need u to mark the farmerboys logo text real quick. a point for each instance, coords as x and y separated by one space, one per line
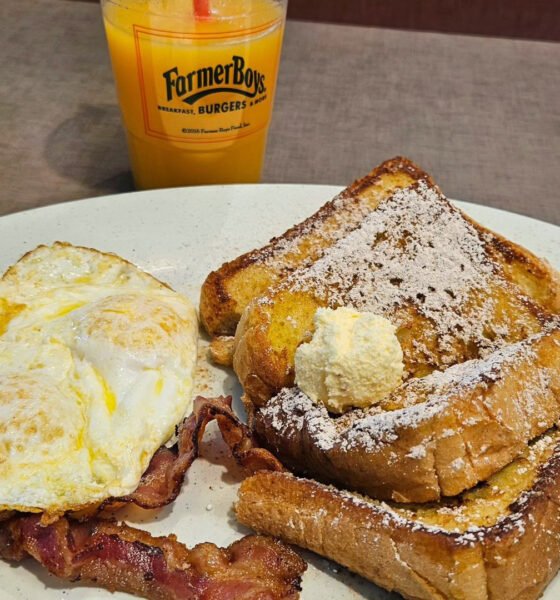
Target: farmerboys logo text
233 77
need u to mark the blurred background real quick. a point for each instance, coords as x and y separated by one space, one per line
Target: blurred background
468 90
536 20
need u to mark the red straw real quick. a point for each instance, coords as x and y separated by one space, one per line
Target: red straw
201 9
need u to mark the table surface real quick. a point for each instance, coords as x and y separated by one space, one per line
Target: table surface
482 115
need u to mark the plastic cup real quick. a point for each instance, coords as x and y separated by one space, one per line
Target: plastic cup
195 92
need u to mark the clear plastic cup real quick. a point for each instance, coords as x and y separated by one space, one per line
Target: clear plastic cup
196 91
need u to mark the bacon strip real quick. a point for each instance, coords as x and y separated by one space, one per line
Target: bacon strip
119 557
161 483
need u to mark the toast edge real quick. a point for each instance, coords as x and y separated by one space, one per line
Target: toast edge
514 558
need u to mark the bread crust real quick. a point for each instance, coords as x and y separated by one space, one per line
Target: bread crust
227 290
513 557
465 425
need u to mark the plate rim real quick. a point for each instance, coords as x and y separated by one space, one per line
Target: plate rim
333 189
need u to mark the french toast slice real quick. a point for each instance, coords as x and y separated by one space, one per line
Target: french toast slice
457 293
454 290
499 541
433 436
227 291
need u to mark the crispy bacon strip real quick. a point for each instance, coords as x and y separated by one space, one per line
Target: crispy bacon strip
164 476
119 557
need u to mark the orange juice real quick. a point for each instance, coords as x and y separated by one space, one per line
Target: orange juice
196 93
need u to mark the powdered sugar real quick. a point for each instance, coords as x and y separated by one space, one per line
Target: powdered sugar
414 249
305 243
417 452
291 411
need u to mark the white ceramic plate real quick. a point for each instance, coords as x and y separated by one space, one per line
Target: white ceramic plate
180 235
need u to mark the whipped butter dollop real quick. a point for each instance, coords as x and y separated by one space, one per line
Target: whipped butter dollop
353 360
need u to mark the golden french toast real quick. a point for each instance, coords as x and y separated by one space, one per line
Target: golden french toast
227 291
498 541
454 290
433 436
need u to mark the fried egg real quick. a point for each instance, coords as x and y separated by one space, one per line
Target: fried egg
96 368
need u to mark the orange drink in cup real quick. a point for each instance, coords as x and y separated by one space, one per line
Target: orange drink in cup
195 81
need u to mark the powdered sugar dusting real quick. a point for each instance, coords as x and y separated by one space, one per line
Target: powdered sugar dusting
415 248
417 452
464 376
415 402
302 244
283 252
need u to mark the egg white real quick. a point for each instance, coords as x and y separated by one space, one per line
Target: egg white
96 368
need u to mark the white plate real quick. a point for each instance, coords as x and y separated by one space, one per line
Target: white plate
180 235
